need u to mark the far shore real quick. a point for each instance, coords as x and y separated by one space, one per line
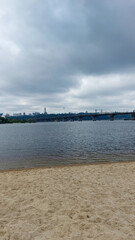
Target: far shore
78 202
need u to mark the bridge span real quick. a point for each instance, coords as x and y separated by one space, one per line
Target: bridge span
80 117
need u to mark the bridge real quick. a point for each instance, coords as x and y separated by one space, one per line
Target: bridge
80 117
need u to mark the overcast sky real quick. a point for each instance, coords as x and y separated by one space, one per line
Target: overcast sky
67 55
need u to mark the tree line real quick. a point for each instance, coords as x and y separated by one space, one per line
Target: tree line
8 120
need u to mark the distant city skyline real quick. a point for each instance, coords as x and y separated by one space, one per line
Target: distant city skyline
45 112
68 56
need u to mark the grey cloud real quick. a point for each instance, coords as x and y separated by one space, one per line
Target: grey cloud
47 46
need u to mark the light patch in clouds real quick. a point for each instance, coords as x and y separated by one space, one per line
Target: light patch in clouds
104 91
92 92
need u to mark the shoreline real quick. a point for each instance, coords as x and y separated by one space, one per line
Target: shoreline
66 165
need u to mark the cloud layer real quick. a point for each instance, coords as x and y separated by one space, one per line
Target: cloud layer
67 55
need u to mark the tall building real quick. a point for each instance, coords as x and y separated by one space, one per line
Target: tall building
45 112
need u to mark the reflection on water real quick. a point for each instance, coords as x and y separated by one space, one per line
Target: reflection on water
58 143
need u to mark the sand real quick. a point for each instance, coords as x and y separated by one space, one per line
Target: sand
74 202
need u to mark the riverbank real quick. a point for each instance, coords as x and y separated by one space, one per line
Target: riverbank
73 202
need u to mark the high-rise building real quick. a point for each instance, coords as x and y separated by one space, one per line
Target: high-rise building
45 112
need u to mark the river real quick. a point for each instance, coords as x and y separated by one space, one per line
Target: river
62 143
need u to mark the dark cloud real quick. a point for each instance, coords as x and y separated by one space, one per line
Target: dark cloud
48 47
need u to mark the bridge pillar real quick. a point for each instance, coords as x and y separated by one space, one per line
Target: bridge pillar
80 119
111 117
72 119
64 119
94 118
133 116
57 120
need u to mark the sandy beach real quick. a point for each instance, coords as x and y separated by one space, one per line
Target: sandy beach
73 202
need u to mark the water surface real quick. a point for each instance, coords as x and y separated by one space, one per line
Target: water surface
59 143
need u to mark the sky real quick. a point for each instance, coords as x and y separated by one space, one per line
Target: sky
67 55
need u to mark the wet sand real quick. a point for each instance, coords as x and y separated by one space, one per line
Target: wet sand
74 202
